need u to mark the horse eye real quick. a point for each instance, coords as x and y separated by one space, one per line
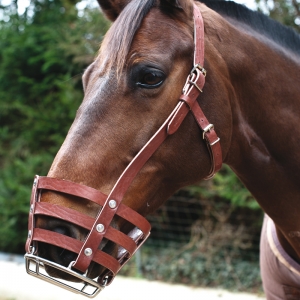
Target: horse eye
151 79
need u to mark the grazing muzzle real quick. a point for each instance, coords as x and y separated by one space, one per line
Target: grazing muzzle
80 255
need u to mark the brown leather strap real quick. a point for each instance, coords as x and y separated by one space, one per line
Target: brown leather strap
71 188
82 191
107 213
213 141
84 221
192 89
198 36
68 243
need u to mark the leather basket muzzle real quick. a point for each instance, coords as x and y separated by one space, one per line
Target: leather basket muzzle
128 243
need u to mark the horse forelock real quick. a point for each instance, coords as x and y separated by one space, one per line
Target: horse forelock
118 40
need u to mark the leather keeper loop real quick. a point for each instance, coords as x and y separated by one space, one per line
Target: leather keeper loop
188 101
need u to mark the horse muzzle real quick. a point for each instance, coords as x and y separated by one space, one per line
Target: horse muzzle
80 261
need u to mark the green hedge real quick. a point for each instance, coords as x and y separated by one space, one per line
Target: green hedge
226 269
42 58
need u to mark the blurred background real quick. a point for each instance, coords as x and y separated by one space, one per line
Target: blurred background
205 235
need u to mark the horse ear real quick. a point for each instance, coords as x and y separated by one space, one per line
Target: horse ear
184 5
173 3
112 8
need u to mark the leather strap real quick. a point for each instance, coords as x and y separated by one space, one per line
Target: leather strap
65 242
198 36
74 217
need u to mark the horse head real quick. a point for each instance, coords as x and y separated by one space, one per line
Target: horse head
130 90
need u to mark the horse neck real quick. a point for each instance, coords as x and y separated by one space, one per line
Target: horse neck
264 150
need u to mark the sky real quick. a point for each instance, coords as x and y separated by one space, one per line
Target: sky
25 3
249 3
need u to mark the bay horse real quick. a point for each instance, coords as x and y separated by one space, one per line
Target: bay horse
137 138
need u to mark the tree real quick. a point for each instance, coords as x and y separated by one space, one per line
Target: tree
286 12
42 56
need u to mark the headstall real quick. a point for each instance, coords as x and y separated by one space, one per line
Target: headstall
100 227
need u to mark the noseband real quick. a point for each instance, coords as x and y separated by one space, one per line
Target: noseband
100 227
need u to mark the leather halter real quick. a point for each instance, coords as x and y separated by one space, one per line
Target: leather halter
112 205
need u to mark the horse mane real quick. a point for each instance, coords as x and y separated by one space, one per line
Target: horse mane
281 34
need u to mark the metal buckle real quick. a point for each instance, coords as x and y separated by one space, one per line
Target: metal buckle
206 129
195 84
189 79
195 68
35 266
200 68
216 141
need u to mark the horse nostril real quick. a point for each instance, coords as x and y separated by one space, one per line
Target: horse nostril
63 230
60 255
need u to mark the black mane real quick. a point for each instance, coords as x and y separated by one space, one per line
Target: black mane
282 35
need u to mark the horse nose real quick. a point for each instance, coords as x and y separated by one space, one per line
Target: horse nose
56 254
59 255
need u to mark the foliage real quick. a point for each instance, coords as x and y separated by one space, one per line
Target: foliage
40 91
217 257
227 269
217 245
285 11
225 185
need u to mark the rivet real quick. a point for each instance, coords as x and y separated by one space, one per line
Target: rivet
112 203
88 251
100 227
29 234
31 208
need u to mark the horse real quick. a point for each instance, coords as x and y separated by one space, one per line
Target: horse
165 68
